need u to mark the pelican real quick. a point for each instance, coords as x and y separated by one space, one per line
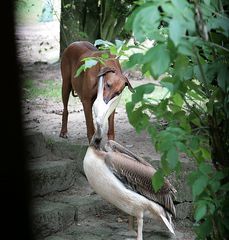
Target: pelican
124 179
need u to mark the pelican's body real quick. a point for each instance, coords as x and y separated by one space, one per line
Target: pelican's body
125 182
108 186
121 177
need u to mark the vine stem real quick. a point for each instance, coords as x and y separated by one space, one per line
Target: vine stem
219 46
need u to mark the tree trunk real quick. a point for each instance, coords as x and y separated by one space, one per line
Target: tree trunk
71 22
91 19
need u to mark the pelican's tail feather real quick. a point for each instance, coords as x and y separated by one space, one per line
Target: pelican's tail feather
167 223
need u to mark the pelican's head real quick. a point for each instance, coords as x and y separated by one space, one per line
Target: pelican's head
102 111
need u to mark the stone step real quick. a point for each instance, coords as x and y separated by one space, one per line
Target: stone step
98 220
66 216
35 145
54 166
55 214
104 229
51 217
51 176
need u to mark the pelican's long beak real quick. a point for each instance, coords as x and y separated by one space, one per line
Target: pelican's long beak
102 111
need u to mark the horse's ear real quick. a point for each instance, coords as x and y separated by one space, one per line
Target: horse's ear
127 83
105 70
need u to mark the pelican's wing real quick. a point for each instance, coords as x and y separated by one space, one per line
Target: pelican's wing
112 146
137 177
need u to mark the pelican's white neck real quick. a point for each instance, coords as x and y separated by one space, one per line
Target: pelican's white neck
100 87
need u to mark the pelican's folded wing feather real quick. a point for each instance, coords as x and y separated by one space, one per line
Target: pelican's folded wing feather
138 177
112 146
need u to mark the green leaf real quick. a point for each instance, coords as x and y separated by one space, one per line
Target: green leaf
195 95
79 70
180 4
169 83
165 142
185 48
164 164
90 63
206 154
192 177
152 132
181 65
129 107
176 31
113 50
204 229
142 123
178 100
211 207
157 180
105 55
181 146
119 44
205 168
200 211
159 60
194 142
156 35
219 23
136 58
138 95
199 185
146 19
215 185
172 157
218 175
207 2
103 42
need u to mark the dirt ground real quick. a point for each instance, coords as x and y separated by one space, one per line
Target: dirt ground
44 115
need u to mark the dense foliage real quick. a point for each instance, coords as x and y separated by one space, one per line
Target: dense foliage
191 52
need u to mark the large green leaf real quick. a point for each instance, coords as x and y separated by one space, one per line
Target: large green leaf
199 185
138 95
157 180
185 48
180 4
172 157
159 60
146 19
176 31
136 58
205 168
181 65
200 211
178 100
220 23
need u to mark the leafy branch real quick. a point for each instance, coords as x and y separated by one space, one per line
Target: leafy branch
189 46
